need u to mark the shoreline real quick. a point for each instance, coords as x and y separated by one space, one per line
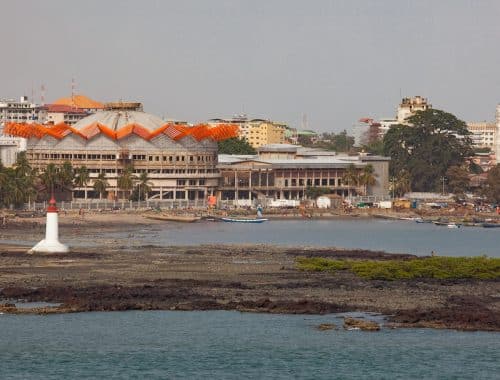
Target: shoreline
241 277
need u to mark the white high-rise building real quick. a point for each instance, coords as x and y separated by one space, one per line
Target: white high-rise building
18 111
497 147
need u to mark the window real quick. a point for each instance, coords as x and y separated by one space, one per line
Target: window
181 182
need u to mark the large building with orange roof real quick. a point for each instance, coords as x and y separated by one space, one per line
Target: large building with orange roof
81 102
180 160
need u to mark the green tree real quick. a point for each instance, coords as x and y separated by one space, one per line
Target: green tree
367 177
401 183
82 178
101 184
142 189
351 176
66 175
235 145
49 177
492 187
22 165
434 141
127 179
313 192
458 180
374 147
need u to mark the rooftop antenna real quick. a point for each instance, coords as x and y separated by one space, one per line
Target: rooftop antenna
32 93
42 94
73 85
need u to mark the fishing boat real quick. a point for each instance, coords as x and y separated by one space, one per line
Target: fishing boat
423 220
175 218
491 225
243 220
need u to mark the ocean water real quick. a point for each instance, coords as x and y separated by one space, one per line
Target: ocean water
228 345
378 234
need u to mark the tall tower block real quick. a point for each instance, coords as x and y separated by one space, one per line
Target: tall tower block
497 140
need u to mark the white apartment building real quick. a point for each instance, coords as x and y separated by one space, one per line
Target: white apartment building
497 142
19 111
484 134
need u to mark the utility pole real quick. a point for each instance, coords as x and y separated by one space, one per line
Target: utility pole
443 178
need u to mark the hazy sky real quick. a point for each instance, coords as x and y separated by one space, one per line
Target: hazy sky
335 61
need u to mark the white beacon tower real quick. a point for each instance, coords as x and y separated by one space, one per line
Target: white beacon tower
51 242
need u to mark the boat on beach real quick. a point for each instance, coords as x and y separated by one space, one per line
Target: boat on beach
175 218
243 220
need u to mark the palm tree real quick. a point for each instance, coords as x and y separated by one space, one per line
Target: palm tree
367 177
18 188
49 177
351 176
101 184
22 165
402 183
67 175
82 178
144 186
126 180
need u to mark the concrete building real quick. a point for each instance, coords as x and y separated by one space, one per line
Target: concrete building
409 106
17 111
497 143
484 134
257 132
180 160
283 171
61 113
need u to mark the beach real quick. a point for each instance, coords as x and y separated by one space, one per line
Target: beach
111 276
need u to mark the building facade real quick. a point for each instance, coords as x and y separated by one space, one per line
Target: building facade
409 106
180 161
497 143
484 134
282 171
17 111
257 132
60 113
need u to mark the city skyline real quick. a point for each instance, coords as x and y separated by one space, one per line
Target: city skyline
335 61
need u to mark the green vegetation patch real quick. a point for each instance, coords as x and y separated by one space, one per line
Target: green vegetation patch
483 268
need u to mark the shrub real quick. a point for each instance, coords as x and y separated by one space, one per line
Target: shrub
482 268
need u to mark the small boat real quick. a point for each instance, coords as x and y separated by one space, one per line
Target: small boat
491 225
423 220
175 218
244 220
438 223
453 225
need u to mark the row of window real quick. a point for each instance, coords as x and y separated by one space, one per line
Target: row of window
154 171
136 157
191 182
312 182
144 157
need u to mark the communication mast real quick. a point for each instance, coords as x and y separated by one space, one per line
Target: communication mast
42 94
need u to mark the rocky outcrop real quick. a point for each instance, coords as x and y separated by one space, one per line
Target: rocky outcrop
360 324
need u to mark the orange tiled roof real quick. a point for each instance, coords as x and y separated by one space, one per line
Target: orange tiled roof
175 132
80 101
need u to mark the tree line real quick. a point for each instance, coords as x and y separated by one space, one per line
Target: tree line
21 183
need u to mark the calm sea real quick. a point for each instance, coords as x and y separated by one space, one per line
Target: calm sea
386 235
229 345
